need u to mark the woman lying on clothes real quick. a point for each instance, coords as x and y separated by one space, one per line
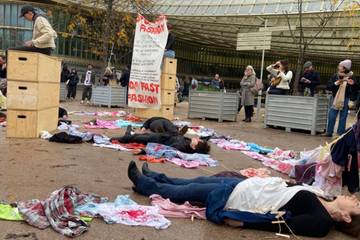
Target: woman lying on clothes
256 203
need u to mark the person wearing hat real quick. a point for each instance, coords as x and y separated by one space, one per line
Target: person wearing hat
341 85
43 38
310 78
169 48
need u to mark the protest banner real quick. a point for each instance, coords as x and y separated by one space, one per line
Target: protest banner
148 51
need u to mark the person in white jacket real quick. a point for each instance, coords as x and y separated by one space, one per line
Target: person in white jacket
43 38
280 83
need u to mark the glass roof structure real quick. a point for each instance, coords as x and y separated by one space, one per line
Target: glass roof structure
237 7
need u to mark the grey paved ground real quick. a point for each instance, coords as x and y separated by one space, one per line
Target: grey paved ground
34 168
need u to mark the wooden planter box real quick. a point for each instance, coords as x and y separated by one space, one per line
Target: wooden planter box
297 112
109 96
213 105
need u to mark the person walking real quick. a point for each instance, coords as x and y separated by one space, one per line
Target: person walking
88 82
341 85
125 79
72 82
43 38
65 73
247 96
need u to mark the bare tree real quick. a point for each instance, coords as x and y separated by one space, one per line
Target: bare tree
106 23
302 39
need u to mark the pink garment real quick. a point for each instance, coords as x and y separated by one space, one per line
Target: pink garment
230 144
281 155
255 172
328 176
281 166
186 164
170 209
102 124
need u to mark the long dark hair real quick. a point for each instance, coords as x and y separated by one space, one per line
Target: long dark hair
352 229
285 64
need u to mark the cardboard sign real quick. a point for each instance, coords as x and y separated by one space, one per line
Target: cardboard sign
149 46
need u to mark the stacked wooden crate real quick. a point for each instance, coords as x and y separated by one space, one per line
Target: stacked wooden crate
33 94
168 93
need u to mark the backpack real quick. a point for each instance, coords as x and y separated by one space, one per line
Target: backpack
258 86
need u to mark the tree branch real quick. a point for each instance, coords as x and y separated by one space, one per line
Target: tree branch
286 14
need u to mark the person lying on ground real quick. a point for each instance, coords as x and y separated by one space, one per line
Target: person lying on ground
268 204
162 125
181 143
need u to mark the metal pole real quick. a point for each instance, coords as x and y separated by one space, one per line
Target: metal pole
261 78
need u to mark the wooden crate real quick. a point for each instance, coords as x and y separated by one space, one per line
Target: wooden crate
33 67
32 96
166 111
169 66
168 82
167 97
29 124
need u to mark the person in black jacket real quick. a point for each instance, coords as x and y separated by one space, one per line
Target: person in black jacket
162 125
310 78
3 73
124 80
181 143
169 49
72 82
343 76
65 73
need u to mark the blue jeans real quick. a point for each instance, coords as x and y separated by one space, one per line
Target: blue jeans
181 190
169 54
333 113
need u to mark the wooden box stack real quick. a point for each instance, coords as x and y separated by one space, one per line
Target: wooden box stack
33 94
168 92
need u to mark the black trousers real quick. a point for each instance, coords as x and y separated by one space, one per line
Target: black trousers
71 91
161 125
87 92
46 51
249 111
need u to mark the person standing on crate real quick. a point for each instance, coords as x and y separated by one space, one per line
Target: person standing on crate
169 48
43 38
88 82
72 82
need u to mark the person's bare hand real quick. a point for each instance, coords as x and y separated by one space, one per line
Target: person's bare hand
350 82
339 82
29 43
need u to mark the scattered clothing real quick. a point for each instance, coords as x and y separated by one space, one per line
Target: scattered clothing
173 210
231 144
125 123
105 124
63 137
125 211
150 159
58 212
255 172
10 213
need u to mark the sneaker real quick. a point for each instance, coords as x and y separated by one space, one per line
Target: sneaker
183 130
87 102
82 102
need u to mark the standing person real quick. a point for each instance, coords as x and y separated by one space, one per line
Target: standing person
247 96
88 82
124 80
309 79
280 84
43 38
169 48
3 73
194 83
108 75
185 92
72 82
65 73
217 82
341 85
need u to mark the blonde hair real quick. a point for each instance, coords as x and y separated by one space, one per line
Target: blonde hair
252 69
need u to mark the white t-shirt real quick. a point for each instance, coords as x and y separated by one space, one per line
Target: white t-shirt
263 195
87 81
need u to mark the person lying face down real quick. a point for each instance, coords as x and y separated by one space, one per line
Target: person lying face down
162 125
268 204
181 143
